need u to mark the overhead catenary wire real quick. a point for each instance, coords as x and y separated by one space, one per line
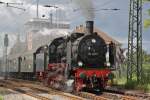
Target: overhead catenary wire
34 1
16 7
9 4
15 21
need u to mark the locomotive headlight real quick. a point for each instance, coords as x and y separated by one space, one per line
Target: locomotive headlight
93 41
80 63
45 47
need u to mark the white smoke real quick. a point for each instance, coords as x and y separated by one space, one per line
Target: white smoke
86 7
55 32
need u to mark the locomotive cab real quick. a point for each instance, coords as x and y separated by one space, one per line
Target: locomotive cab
57 50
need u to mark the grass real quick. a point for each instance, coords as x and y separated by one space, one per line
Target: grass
146 66
1 97
120 81
132 85
144 85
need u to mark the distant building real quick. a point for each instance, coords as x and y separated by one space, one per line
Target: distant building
36 26
35 35
105 36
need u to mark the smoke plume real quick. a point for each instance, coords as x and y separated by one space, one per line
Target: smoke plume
86 7
54 32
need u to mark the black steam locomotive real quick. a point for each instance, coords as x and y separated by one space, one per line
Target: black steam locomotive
75 62
79 59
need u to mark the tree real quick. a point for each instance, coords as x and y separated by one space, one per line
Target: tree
147 21
146 57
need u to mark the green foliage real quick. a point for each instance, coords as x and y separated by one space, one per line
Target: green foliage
131 84
146 23
146 67
146 57
121 81
1 97
148 12
121 78
146 0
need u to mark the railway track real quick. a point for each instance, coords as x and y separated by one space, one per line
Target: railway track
107 95
32 94
113 95
82 95
17 86
18 89
140 96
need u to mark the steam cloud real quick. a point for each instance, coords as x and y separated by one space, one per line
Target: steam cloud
54 32
87 8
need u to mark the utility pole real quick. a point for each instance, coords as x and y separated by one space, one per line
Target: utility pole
37 12
6 41
134 68
51 15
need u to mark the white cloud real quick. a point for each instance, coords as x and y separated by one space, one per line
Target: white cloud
114 23
13 20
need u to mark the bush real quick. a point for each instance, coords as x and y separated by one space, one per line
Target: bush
131 84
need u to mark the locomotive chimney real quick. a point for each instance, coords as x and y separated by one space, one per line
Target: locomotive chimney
89 27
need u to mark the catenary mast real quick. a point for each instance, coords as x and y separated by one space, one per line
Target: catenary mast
134 68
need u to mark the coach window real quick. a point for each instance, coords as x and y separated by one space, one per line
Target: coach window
52 50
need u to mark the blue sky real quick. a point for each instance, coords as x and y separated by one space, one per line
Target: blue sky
115 23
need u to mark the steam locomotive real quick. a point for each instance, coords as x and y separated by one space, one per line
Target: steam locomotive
77 62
